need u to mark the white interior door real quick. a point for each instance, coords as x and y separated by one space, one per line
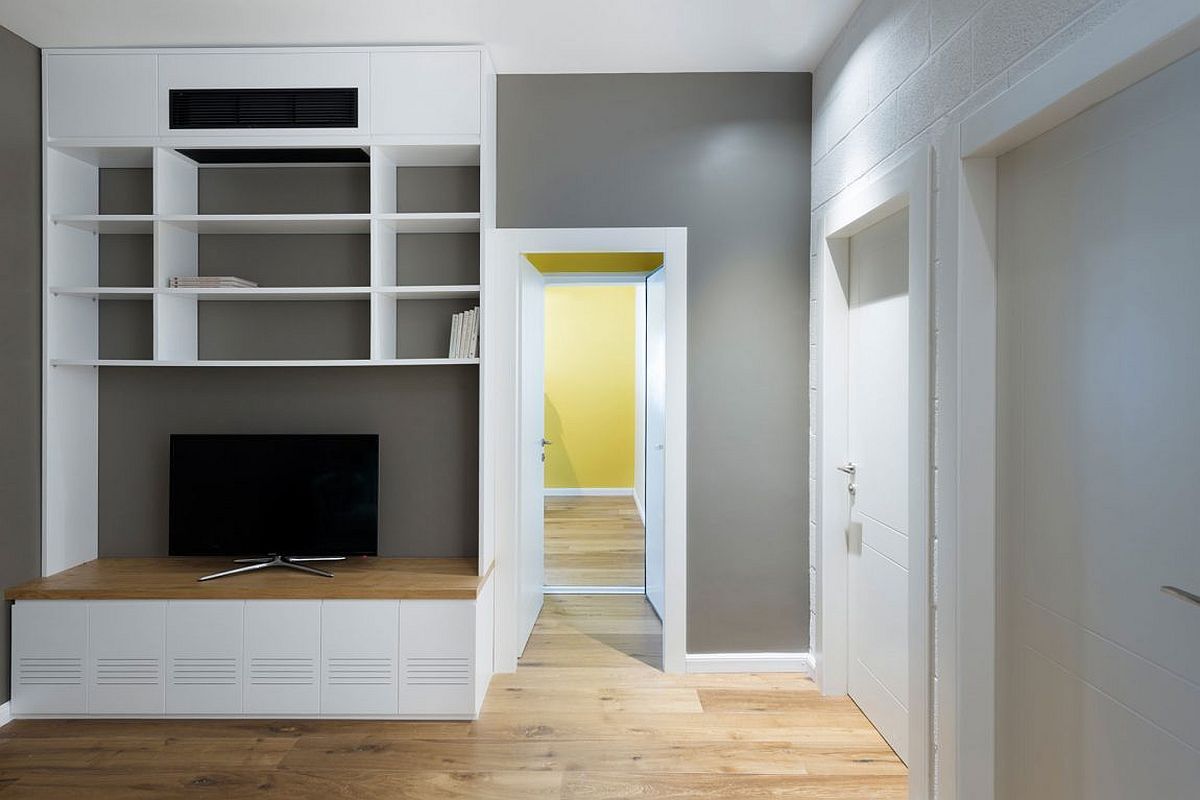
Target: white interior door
1098 283
531 355
656 396
878 480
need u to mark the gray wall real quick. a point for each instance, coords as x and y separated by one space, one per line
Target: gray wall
727 156
427 419
20 322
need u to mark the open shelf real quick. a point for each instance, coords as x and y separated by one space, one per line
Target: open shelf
276 293
271 223
107 223
428 292
353 362
432 222
104 292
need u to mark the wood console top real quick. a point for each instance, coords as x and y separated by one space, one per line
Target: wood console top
175 579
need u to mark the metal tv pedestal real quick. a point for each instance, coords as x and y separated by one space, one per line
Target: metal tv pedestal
255 564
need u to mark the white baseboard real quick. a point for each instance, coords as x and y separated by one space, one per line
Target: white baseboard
749 662
5 713
596 492
593 590
637 501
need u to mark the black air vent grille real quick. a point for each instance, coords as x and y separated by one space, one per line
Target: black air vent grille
212 109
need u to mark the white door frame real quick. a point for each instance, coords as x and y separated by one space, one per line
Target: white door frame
1139 39
505 249
906 186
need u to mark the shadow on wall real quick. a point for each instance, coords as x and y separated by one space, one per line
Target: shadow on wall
557 452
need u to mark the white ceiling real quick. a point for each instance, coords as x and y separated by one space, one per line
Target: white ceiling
522 35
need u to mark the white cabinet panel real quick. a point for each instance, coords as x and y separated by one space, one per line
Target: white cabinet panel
437 644
359 652
49 648
282 645
263 71
430 93
126 639
98 96
204 657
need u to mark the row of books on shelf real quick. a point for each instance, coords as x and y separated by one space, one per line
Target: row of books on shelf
464 334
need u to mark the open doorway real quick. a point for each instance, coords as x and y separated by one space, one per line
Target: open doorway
594 450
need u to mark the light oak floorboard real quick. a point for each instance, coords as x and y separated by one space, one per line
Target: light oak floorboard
594 541
587 716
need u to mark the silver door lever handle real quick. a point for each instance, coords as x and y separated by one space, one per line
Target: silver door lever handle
1182 594
848 468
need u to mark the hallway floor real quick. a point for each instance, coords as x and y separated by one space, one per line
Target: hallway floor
586 715
594 541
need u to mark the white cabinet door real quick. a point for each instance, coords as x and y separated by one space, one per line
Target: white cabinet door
431 93
49 647
97 96
204 657
282 643
126 640
437 644
359 650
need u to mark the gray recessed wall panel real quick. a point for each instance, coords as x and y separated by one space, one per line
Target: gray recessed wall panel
727 156
427 419
284 190
437 259
20 323
334 259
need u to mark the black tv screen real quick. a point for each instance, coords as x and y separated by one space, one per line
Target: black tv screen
310 495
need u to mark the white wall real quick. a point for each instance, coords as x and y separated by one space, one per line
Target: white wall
896 80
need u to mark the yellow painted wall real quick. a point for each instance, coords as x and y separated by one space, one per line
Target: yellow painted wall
590 386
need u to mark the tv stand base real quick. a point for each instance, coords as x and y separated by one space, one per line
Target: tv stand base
255 564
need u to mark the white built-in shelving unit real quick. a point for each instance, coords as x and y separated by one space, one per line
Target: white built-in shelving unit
425 118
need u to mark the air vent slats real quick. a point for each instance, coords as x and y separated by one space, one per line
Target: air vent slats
216 109
34 671
433 671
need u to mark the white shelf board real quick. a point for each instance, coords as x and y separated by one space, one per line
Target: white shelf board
450 222
141 157
426 154
260 293
357 362
105 292
107 223
271 223
429 292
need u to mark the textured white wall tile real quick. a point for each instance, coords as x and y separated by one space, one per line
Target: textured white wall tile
940 85
947 16
1005 30
1063 39
864 147
904 49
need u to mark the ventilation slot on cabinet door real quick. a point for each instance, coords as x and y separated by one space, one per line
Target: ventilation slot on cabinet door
215 109
127 671
35 671
360 672
437 671
204 672
282 671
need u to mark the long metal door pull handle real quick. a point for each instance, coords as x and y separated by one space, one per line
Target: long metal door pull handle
1182 594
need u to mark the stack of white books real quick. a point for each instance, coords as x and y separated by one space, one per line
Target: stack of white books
210 282
464 334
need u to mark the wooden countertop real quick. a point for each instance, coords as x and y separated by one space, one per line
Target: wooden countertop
175 579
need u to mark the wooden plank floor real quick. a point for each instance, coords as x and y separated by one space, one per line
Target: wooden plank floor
587 716
594 541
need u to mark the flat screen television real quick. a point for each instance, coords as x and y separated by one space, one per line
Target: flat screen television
303 495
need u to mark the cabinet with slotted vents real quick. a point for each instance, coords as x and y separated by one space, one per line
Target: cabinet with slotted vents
370 658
